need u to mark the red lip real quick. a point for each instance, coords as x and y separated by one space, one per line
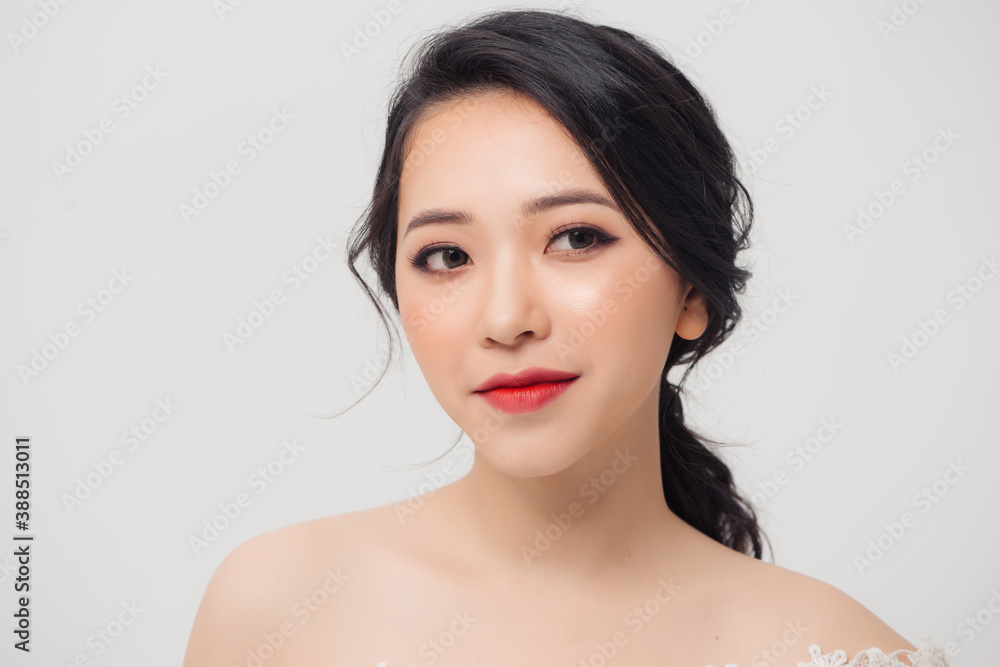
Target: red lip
518 400
525 378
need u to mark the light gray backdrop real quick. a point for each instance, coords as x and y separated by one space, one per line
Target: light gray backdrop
139 224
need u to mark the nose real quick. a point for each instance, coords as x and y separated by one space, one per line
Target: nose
512 305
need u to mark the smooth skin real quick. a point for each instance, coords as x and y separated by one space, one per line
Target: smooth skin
465 579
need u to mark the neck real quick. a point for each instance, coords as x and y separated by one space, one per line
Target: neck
607 509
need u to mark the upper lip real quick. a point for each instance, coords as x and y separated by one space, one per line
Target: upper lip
528 376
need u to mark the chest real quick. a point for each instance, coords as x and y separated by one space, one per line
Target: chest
387 620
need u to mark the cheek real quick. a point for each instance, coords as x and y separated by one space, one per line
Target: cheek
435 325
650 299
623 319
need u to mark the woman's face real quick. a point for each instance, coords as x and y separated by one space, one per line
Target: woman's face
509 290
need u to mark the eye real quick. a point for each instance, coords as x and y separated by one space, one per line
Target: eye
450 256
580 235
581 238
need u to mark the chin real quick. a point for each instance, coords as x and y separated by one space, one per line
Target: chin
532 452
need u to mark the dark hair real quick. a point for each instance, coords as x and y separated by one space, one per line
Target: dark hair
655 143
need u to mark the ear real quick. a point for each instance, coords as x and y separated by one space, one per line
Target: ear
693 317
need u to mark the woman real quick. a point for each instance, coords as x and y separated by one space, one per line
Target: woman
556 219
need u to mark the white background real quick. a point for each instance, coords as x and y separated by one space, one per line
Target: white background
825 357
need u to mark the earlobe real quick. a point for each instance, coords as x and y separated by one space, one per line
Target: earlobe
693 318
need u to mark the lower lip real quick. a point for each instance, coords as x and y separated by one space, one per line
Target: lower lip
518 400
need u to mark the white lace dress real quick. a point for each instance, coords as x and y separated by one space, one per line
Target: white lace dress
926 655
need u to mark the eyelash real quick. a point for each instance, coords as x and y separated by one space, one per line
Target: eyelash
419 261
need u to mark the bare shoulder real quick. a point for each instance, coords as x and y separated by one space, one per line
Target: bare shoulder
268 581
803 610
843 623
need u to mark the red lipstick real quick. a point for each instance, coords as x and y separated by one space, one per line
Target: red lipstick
531 389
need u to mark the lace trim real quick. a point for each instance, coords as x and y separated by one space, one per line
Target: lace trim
926 655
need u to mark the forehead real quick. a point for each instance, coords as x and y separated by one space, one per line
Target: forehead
488 152
476 112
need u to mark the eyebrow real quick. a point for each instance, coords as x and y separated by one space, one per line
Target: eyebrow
530 209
